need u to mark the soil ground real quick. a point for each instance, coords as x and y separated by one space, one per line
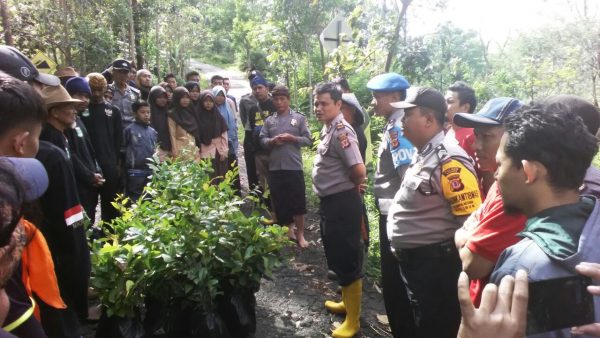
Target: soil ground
291 303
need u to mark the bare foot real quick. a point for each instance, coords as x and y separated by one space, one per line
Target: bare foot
291 234
302 242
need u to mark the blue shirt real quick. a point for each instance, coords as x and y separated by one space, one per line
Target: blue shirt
140 144
232 135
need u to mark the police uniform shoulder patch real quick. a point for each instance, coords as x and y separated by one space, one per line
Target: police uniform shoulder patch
340 125
460 187
343 139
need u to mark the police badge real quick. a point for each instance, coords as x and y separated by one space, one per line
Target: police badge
294 122
343 138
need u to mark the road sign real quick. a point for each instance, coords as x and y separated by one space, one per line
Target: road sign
43 63
336 33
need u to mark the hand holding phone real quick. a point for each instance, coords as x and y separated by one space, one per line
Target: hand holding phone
559 303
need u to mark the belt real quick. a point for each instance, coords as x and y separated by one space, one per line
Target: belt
427 251
337 195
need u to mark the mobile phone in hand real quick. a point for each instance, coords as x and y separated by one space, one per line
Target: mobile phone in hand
559 303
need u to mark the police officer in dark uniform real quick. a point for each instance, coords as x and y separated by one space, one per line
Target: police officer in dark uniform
437 194
124 95
337 175
393 157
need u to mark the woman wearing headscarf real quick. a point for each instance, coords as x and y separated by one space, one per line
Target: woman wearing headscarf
212 133
183 127
227 109
159 120
194 89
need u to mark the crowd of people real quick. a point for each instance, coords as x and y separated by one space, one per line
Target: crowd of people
467 200
509 191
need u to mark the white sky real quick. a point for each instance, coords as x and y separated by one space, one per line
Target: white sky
498 20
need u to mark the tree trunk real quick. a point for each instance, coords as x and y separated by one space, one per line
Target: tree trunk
131 31
395 38
6 26
322 54
158 72
137 31
66 42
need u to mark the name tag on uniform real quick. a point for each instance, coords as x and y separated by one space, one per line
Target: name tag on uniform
79 132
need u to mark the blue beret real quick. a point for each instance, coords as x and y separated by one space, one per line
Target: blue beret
388 82
78 85
258 80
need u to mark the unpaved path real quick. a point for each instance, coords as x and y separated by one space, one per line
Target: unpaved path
291 303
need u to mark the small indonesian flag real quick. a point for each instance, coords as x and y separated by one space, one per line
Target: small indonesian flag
74 215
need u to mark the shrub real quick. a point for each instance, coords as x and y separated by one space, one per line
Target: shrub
185 242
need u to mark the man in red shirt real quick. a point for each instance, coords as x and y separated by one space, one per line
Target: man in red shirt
489 230
460 98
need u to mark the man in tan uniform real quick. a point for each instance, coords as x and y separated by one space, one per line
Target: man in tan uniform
438 192
337 174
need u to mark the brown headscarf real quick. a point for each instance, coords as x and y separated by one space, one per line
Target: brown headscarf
210 122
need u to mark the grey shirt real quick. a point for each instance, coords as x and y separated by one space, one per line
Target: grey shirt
438 192
336 154
123 101
394 155
286 156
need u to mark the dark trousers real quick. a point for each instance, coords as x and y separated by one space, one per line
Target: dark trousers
430 274
341 233
88 196
108 193
395 298
250 162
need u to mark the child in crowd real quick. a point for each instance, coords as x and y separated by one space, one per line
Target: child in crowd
212 133
183 127
139 142
159 120
194 89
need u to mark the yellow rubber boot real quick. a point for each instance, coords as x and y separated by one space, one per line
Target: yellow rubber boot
352 296
336 307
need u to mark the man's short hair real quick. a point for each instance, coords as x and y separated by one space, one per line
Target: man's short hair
190 74
225 78
139 104
168 76
280 90
216 78
583 108
20 104
329 87
465 93
557 139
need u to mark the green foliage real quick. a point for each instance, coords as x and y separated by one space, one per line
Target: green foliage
185 242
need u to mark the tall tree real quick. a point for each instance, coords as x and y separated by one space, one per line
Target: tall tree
6 26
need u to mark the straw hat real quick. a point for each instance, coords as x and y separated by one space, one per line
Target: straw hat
56 95
66 72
